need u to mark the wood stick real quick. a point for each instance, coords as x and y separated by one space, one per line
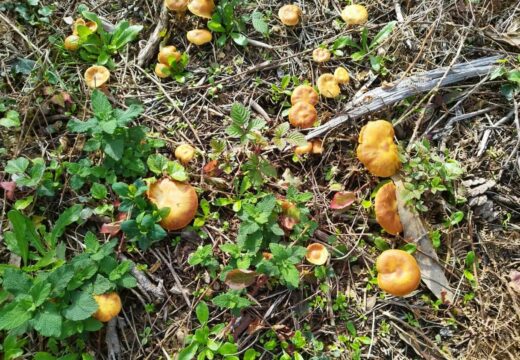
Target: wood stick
150 49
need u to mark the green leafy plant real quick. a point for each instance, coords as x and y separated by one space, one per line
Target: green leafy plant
258 19
29 11
100 46
280 93
35 174
10 119
228 24
12 347
232 301
282 264
512 87
176 69
204 256
243 126
283 136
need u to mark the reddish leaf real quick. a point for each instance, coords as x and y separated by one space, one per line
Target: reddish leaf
240 279
287 222
121 216
111 229
255 326
343 200
210 168
9 187
515 280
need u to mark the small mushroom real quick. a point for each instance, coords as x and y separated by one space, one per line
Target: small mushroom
305 93
71 42
184 153
199 36
398 272
162 71
304 149
341 75
92 25
290 14
109 305
202 8
302 115
317 146
167 53
96 76
354 14
377 150
387 214
179 6
328 86
317 254
321 55
180 198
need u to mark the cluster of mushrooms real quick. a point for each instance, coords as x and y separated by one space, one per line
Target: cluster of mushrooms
398 271
72 42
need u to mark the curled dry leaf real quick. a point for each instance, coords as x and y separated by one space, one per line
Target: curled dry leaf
342 200
239 279
9 187
515 280
211 168
111 229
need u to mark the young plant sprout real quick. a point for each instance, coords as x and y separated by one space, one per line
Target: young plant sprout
184 153
179 6
398 272
317 254
304 93
199 36
290 15
321 55
96 76
180 198
109 305
302 115
71 43
202 8
387 214
167 53
328 86
377 150
354 14
341 75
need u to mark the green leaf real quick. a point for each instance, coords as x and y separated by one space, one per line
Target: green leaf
296 138
101 105
48 323
383 34
176 171
23 203
17 166
216 26
290 275
157 163
240 114
128 35
202 312
25 234
68 217
227 349
82 307
14 315
98 191
124 117
10 119
77 126
114 148
102 285
259 24
16 281
40 292
239 39
189 352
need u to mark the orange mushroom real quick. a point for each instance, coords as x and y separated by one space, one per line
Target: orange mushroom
354 14
181 198
341 75
304 149
167 53
317 146
162 71
179 6
317 254
199 36
302 115
328 86
109 305
398 272
305 93
377 150
321 55
290 14
202 8
92 25
387 214
184 153
71 42
96 76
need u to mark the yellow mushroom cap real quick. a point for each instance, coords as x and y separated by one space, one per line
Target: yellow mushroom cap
167 53
302 115
71 43
398 272
328 86
387 214
354 14
341 75
184 153
96 76
317 254
304 149
317 146
290 14
304 93
162 71
377 150
181 198
202 8
199 36
109 305
176 5
321 55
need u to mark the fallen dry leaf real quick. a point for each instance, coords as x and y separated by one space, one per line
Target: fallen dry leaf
239 279
111 229
432 272
342 200
9 187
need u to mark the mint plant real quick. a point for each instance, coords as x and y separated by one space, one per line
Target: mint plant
35 174
227 24
243 126
282 264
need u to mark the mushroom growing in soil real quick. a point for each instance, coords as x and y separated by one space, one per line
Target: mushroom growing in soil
71 42
184 153
167 53
304 93
162 71
328 86
302 115
290 14
341 75
354 14
92 25
317 254
304 149
96 76
199 36
377 150
180 198
321 55
398 272
202 8
179 6
109 305
387 214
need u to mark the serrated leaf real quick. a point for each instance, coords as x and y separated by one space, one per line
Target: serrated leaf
176 171
14 315
100 105
48 323
260 25
296 138
240 114
114 148
256 124
17 166
82 307
102 285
